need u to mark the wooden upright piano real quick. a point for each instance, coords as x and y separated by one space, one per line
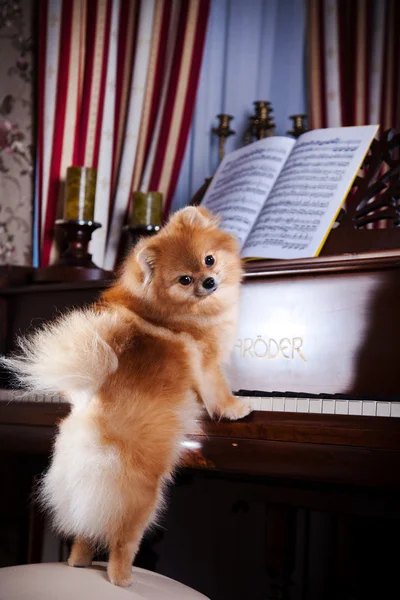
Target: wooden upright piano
317 353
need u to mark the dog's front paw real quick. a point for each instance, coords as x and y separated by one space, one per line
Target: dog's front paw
236 409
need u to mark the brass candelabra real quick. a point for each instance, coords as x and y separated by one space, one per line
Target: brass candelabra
261 123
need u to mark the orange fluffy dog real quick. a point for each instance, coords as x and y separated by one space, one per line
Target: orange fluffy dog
134 368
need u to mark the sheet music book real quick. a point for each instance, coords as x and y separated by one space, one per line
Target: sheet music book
281 196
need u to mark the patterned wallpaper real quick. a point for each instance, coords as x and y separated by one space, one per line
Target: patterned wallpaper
16 131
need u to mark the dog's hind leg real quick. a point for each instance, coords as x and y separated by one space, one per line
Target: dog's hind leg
81 553
125 544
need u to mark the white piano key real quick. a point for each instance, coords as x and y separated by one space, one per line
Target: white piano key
303 405
355 407
266 404
291 405
328 407
255 402
369 408
383 409
315 406
395 409
278 404
342 407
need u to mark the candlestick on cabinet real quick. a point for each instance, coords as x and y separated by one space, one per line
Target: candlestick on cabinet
75 263
78 224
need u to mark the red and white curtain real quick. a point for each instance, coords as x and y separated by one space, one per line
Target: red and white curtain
354 63
117 85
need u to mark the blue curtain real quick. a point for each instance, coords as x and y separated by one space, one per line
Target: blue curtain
255 50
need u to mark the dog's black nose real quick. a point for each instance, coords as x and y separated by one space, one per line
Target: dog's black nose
209 283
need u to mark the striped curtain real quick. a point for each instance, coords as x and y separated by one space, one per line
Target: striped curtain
353 63
117 86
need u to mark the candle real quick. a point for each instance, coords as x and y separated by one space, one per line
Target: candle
146 209
146 215
80 191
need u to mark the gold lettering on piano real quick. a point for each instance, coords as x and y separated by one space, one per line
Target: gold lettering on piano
247 347
283 345
297 344
269 348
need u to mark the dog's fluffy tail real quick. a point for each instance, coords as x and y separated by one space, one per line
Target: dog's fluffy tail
72 356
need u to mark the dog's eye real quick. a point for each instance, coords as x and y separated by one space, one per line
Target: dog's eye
185 280
210 260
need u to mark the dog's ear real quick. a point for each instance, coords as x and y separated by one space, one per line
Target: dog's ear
195 215
146 256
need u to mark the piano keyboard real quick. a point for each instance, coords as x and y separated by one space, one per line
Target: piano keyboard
328 406
15 396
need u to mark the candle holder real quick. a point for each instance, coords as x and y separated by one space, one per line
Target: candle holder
78 234
261 124
298 126
75 263
138 231
223 131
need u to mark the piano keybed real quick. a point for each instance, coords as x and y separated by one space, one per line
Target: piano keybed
265 403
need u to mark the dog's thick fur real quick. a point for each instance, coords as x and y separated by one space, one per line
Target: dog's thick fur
135 368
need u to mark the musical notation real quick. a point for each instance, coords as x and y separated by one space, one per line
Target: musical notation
245 178
303 201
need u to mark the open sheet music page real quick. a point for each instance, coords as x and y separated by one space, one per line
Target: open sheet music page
243 181
306 198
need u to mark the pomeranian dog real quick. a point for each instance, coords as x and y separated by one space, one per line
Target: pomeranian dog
136 368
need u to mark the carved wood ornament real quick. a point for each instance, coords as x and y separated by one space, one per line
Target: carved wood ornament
373 200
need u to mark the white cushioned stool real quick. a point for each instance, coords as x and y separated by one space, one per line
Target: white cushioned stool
57 581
